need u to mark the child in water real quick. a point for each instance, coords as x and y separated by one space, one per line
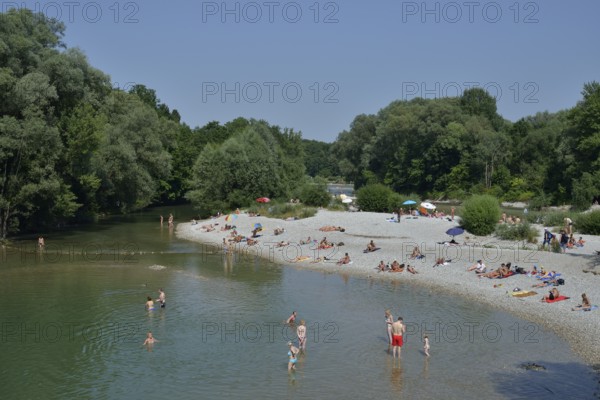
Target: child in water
426 345
150 340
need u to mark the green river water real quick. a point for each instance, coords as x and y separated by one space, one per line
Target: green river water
73 323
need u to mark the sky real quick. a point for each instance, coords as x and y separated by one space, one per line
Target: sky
315 65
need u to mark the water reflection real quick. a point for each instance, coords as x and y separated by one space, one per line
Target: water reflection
397 375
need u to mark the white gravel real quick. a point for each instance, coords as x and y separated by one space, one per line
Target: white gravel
580 329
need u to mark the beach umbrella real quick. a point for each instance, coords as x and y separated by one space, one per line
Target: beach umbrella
230 217
455 231
409 202
428 206
263 200
347 200
257 226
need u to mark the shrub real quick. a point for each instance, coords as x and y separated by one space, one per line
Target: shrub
480 214
555 246
314 195
374 197
556 218
395 201
522 231
283 210
588 223
337 205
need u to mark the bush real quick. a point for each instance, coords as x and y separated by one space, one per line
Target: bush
337 205
522 231
480 214
314 195
283 210
396 200
374 197
555 246
588 223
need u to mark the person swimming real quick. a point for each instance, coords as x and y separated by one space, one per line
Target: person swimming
150 340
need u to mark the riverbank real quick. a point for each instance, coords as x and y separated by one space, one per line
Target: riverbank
397 241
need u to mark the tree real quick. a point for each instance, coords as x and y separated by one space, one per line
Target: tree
586 128
132 159
29 149
253 163
477 101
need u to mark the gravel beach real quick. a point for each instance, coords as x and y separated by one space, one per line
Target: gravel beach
397 240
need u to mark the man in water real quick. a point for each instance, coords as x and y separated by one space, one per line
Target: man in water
398 330
162 299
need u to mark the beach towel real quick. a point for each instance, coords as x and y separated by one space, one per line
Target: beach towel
548 278
302 258
375 249
591 309
559 298
511 273
523 293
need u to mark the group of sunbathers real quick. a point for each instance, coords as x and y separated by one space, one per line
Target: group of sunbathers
325 244
501 272
395 266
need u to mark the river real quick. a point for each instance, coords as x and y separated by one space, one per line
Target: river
73 323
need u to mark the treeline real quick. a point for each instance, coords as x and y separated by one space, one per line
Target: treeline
72 147
452 148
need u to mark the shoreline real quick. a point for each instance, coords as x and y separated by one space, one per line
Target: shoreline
397 240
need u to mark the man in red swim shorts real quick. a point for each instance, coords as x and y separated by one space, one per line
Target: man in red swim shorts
398 330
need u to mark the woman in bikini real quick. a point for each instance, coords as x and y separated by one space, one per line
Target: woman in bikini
292 352
149 304
389 320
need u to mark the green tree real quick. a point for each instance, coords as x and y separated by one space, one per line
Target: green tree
480 214
375 197
29 149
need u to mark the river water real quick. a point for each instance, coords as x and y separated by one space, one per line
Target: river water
73 323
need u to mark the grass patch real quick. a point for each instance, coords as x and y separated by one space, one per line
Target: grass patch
517 232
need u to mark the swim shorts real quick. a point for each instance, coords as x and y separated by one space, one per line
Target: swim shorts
397 340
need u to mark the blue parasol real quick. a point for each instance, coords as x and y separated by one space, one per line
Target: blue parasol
455 231
409 202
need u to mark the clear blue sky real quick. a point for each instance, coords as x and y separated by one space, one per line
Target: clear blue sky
224 59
